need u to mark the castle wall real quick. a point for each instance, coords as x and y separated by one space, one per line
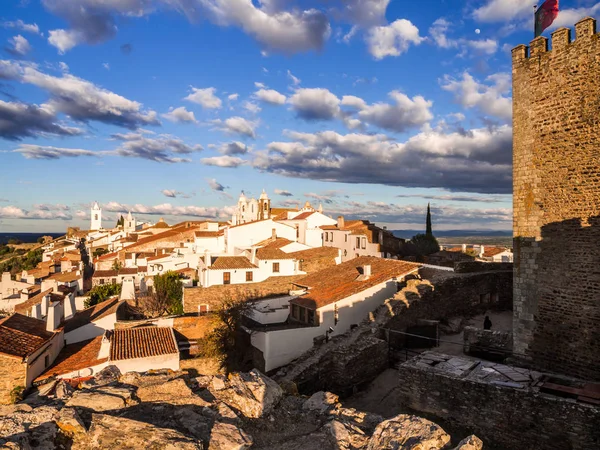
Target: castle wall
556 145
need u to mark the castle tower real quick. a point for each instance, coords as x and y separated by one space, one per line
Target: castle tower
556 181
96 217
264 205
130 224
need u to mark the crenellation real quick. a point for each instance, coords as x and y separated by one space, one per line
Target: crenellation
538 46
520 52
561 38
586 27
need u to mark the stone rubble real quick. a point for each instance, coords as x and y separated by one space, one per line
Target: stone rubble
169 410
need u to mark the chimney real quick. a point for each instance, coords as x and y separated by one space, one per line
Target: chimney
104 351
367 270
340 223
24 295
464 248
54 317
207 258
481 250
273 233
49 284
253 256
45 305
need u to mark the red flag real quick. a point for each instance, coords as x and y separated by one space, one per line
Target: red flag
545 15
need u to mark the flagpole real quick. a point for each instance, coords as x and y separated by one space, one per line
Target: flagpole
534 11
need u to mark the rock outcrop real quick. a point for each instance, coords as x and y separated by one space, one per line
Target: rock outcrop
170 410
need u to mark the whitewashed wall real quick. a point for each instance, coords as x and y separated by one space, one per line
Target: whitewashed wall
36 361
91 330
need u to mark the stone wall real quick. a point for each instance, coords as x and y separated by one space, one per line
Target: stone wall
478 266
557 201
12 374
447 295
503 417
492 344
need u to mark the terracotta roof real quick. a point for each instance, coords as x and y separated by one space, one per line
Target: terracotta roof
41 272
278 211
493 251
93 314
75 357
128 271
274 243
66 277
317 252
144 342
231 262
209 234
105 273
272 253
188 271
20 335
24 307
304 215
142 269
338 282
107 256
154 258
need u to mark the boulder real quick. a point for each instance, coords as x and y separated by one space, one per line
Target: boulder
366 421
108 432
253 394
194 423
227 436
63 390
69 422
470 443
173 391
28 428
104 398
346 436
406 432
321 402
109 374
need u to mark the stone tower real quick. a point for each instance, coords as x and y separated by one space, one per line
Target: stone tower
556 177
96 217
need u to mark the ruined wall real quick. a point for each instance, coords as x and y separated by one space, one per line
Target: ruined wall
12 374
556 110
511 419
446 296
478 341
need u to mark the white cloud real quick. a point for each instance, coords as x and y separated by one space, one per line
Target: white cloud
260 85
13 212
270 96
491 99
353 102
20 45
233 97
63 66
363 13
106 65
223 161
172 193
504 10
283 193
315 104
237 125
295 80
233 148
20 25
393 39
252 107
406 113
65 40
180 115
205 97
215 185
439 30
166 209
159 149
31 151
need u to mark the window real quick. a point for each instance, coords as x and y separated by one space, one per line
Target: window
357 242
295 313
346 238
311 317
101 281
46 360
364 242
249 276
302 317
275 267
326 237
202 310
114 281
226 277
345 252
95 216
252 207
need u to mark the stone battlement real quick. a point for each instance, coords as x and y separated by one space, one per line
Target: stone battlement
585 29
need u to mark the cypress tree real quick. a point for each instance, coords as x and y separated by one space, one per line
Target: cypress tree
428 230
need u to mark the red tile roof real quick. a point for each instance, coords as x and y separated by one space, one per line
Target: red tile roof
75 357
66 277
493 251
93 314
24 307
209 234
231 262
144 342
128 271
20 335
317 252
105 273
271 249
304 215
339 282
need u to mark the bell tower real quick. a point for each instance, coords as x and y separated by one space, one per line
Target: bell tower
96 217
264 204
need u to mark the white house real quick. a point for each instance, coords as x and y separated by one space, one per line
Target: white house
10 291
248 234
495 254
332 299
308 226
92 322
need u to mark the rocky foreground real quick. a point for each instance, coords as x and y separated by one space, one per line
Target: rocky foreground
169 410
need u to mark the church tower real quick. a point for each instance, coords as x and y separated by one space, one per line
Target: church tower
130 224
241 213
264 206
96 217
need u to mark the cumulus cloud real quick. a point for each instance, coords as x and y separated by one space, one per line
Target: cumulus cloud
233 148
20 25
19 46
237 125
14 212
283 193
20 120
31 151
180 115
166 209
215 185
315 104
439 35
503 10
492 98
270 96
406 113
252 107
84 101
159 149
363 13
65 40
393 39
353 102
233 97
477 160
205 97
223 161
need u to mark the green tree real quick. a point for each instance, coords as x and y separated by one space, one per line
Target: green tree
166 296
425 244
102 292
99 252
121 221
428 229
117 265
17 264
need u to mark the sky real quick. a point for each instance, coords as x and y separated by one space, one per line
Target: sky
171 108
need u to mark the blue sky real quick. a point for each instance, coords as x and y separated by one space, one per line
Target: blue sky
170 108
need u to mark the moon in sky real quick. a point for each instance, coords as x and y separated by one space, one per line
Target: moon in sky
477 31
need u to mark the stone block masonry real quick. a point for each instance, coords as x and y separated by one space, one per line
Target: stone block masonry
556 182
